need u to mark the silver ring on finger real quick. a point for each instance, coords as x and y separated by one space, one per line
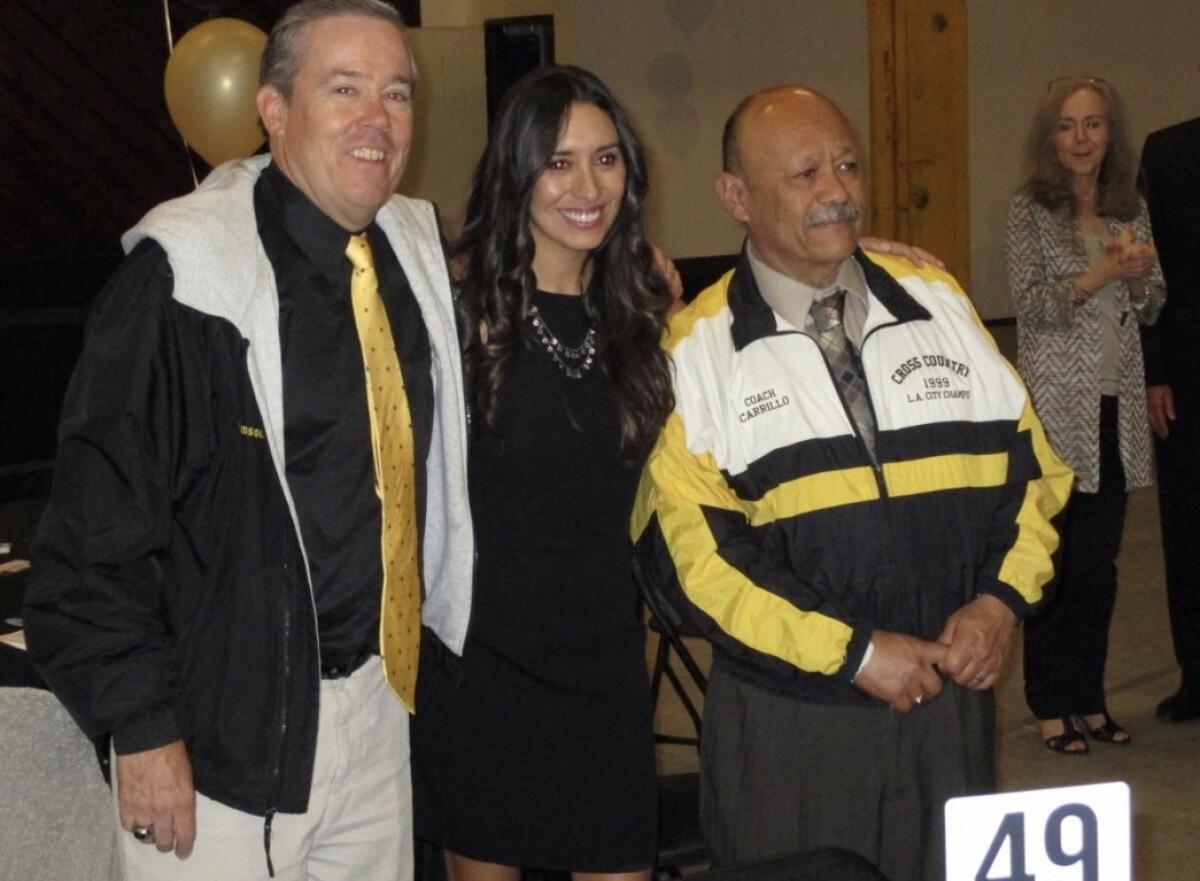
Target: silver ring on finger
144 834
920 697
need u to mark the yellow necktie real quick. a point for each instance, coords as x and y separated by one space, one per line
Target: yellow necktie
392 445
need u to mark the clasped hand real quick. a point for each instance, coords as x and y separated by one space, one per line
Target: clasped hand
977 638
1129 258
904 671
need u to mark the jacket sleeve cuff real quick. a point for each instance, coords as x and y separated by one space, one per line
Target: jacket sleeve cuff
148 730
856 651
1008 595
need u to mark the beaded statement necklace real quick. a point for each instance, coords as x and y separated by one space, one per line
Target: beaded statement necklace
574 361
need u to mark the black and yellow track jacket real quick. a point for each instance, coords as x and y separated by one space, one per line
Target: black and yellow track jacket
761 505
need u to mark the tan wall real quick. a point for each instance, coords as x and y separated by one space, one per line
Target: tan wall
451 97
451 118
473 13
680 67
1015 47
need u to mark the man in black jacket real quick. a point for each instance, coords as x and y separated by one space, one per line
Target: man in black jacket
216 574
1171 174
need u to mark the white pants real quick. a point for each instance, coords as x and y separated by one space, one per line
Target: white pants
359 821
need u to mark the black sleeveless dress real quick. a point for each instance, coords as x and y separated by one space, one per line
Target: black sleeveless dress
536 749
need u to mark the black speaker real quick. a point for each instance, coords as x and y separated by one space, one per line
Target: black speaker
512 48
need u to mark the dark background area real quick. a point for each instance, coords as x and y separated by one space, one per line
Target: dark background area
86 148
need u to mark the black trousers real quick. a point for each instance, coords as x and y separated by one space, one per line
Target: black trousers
1179 508
1066 641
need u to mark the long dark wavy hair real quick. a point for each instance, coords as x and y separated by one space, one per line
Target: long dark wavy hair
626 299
1049 183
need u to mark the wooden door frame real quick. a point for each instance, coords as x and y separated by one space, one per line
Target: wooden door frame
881 46
888 43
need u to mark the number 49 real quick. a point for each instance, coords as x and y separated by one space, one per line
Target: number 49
1012 830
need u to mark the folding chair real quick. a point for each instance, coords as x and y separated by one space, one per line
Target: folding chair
670 628
680 842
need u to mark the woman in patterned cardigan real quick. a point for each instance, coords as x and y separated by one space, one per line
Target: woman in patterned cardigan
1083 273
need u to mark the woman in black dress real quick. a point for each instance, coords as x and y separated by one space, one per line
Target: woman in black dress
535 750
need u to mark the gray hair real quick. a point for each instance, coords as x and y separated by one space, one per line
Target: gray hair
281 57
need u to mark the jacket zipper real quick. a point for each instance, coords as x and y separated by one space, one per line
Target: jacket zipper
876 468
276 766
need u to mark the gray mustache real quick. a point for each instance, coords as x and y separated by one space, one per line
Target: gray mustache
846 212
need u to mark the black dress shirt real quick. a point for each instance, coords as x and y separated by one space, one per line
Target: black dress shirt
327 432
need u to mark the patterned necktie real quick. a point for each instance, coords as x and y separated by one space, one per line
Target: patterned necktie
392 446
844 363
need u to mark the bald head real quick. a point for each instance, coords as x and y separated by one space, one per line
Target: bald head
792 177
767 102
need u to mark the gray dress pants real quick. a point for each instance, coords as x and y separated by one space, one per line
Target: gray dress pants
780 776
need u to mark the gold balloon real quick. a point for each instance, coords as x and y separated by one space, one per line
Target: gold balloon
210 83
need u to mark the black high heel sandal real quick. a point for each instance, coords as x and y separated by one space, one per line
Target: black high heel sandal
1065 743
1109 732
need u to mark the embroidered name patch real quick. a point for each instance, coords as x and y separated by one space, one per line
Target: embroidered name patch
933 378
762 402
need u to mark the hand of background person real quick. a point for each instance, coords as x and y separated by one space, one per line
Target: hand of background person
1133 259
901 670
155 787
1160 407
918 257
1124 259
977 638
667 269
